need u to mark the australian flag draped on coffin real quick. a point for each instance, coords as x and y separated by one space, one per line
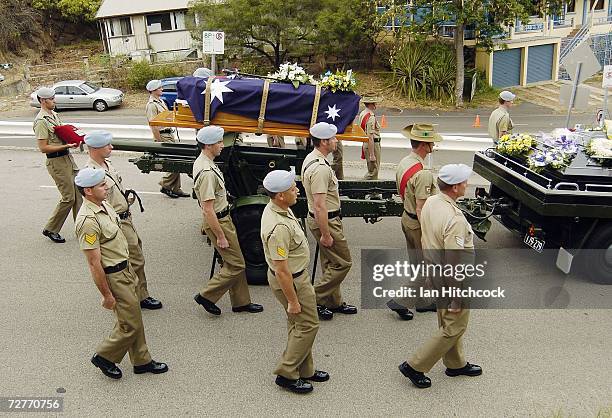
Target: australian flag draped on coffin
285 104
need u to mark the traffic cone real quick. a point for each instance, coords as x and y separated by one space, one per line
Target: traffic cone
476 122
383 122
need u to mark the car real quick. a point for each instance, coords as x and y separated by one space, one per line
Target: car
81 94
169 94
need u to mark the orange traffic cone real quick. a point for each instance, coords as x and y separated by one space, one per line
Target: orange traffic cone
383 122
476 122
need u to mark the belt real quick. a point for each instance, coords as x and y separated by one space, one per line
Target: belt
223 213
330 215
376 140
166 131
124 215
411 215
294 275
57 154
117 268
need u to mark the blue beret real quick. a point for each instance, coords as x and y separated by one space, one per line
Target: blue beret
45 92
279 181
210 135
98 139
323 130
89 177
454 173
153 85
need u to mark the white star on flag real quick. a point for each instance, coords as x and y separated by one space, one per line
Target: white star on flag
333 113
217 88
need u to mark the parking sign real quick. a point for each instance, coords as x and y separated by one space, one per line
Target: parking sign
213 42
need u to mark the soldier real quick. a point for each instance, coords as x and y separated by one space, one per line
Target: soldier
99 147
414 184
324 222
445 235
171 182
107 253
209 187
369 123
499 121
287 254
60 164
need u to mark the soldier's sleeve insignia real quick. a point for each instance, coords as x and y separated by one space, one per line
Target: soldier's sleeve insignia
281 251
428 189
460 241
91 238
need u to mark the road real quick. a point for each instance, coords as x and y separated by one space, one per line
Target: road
540 362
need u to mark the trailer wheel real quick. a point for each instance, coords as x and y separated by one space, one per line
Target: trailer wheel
598 260
247 220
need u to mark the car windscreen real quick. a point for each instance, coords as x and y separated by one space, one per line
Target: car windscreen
89 87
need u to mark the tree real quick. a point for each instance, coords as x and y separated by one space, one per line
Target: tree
274 29
489 20
18 26
73 10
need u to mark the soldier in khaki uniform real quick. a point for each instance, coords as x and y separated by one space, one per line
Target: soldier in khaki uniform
209 186
446 235
324 222
171 182
369 123
415 184
499 121
60 164
100 148
287 254
107 253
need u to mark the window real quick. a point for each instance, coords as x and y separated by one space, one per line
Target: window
571 6
75 91
598 6
60 90
89 87
171 87
111 29
162 19
126 26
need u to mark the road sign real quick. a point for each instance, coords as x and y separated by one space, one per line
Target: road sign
607 77
585 55
581 101
213 42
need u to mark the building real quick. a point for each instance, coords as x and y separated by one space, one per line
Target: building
154 30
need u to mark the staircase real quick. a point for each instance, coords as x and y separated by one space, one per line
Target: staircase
547 95
574 40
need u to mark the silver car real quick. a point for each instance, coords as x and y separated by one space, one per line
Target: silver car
80 94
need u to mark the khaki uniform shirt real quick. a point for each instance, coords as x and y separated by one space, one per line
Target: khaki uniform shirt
43 129
444 227
210 183
372 126
154 108
420 186
116 197
283 238
98 227
319 177
499 122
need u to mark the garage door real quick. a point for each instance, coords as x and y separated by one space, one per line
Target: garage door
540 63
507 68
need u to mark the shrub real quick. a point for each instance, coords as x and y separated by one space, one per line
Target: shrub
140 73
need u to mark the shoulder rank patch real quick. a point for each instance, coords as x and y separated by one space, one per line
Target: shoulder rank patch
91 238
281 251
460 241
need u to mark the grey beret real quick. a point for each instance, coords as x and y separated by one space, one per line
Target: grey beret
279 181
153 85
454 173
507 96
202 72
45 92
323 130
210 135
89 177
98 139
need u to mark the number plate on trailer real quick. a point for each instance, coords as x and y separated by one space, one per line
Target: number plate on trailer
534 242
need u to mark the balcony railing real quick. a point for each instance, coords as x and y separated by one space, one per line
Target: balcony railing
530 27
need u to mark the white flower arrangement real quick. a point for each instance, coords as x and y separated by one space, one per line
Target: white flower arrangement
292 73
552 158
600 148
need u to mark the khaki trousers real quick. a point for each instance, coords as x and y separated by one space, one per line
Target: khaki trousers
128 334
232 276
373 167
337 161
335 263
170 181
302 328
62 172
446 343
137 260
